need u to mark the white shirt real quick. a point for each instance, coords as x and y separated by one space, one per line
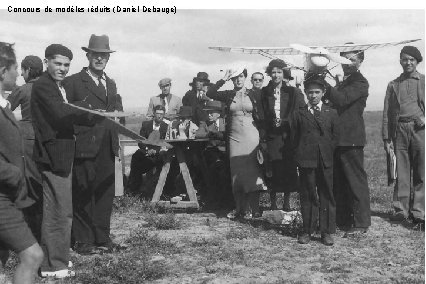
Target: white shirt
155 127
63 93
311 107
4 103
277 106
96 79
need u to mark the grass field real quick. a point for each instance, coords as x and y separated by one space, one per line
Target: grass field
205 247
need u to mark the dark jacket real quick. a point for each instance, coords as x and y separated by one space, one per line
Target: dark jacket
12 163
147 128
391 107
53 124
313 140
190 99
349 99
82 90
291 100
228 96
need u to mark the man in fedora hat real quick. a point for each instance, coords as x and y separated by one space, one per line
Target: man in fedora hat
196 97
182 127
404 130
170 102
147 157
96 148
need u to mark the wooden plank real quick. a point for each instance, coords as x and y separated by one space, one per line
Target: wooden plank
162 179
119 187
185 174
180 204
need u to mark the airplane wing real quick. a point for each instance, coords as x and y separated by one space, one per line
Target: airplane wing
259 50
352 47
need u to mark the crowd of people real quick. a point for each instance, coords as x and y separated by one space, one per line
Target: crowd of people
57 178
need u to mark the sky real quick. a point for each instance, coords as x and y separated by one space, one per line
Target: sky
151 46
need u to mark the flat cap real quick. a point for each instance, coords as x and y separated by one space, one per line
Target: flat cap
164 81
412 51
32 61
58 49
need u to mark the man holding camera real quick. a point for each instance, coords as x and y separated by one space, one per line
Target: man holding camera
404 131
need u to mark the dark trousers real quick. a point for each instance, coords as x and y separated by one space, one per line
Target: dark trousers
351 188
139 165
57 220
317 198
93 195
410 165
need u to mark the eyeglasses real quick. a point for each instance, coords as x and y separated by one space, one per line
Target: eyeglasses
257 80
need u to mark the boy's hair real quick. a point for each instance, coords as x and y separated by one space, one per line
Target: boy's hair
159 107
7 55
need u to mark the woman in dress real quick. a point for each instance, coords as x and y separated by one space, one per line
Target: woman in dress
245 117
279 101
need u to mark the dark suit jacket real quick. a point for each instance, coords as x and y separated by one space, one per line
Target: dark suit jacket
82 90
147 128
190 99
53 125
391 107
349 99
310 144
12 175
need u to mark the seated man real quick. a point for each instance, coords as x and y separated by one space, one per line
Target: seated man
147 157
182 127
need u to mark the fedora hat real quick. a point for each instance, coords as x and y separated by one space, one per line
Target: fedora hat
185 111
202 77
98 44
213 105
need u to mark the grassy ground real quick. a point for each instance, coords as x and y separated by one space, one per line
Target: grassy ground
205 247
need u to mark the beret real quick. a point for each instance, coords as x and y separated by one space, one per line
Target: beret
412 51
58 49
32 61
164 81
312 78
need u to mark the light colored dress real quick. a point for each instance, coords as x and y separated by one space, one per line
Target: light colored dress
243 141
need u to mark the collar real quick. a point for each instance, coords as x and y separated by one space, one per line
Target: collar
310 106
168 96
3 102
94 76
414 75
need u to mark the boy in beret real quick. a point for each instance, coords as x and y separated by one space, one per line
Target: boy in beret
404 131
314 131
54 151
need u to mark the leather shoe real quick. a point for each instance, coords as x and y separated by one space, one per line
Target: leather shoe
327 239
304 238
86 249
398 217
110 247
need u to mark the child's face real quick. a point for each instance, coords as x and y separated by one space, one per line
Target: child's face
314 93
213 115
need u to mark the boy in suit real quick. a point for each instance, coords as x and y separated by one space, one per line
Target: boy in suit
314 132
146 158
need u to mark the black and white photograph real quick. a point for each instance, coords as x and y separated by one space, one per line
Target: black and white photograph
171 142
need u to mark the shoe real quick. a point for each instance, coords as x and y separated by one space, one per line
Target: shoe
248 216
233 214
110 247
304 238
59 274
355 231
327 239
398 217
86 249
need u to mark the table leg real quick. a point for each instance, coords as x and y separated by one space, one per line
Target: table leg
185 174
162 178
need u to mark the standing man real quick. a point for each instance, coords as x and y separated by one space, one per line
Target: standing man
257 80
170 102
54 150
404 130
351 187
196 97
96 148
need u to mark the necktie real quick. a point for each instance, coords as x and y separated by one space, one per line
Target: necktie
101 88
317 116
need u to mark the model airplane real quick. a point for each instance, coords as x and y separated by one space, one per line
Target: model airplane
317 58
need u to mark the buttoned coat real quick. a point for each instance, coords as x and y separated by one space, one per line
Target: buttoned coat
82 90
392 105
12 163
314 141
349 99
174 105
53 123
